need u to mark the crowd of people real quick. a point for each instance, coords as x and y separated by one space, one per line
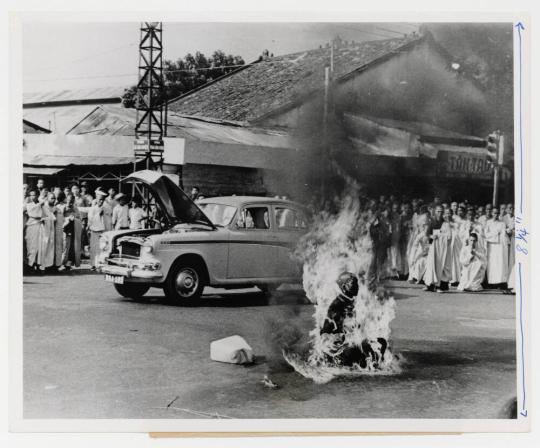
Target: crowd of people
63 225
437 244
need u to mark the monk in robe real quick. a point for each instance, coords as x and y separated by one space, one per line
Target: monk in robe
497 250
394 253
59 208
34 213
419 253
96 227
473 265
406 235
438 265
455 246
47 234
73 229
510 224
419 220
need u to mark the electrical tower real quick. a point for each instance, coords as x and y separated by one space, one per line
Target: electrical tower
149 127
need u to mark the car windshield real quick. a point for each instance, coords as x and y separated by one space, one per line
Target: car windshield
219 214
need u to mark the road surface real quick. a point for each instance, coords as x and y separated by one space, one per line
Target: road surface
89 353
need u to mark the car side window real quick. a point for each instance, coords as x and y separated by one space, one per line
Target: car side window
254 218
288 218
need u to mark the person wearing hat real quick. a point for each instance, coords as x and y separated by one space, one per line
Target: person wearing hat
120 216
107 209
96 226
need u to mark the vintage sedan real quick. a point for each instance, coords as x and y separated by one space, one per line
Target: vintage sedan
228 242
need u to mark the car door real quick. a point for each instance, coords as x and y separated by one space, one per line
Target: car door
290 224
252 250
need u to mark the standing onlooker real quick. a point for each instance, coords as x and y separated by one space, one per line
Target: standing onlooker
73 229
379 232
59 209
438 264
47 234
136 215
194 193
96 226
497 249
34 213
394 252
40 186
120 217
510 224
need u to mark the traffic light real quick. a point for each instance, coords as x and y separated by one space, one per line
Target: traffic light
492 146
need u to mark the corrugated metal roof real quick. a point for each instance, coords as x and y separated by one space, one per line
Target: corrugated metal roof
58 119
41 171
63 150
117 120
73 95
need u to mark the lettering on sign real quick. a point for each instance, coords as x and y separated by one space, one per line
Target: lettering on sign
464 165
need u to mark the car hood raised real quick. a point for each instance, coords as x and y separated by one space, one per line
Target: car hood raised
173 201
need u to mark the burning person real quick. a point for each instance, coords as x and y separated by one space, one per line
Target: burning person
338 349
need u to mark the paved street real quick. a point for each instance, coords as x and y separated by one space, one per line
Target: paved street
89 353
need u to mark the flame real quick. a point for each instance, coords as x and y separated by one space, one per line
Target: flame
339 242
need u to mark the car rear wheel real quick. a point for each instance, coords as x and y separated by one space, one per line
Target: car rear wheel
132 291
185 283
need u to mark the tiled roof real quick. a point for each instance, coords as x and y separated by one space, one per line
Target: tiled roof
256 90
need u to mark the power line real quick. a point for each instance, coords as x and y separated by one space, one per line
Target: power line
120 75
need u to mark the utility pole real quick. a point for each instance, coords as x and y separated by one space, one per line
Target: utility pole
326 150
149 129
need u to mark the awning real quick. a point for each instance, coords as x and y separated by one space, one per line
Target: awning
41 171
394 138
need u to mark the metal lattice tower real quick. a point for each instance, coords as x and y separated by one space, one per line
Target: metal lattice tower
149 128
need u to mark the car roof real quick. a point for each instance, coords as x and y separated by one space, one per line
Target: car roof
241 200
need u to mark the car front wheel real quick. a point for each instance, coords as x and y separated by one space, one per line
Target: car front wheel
185 283
132 291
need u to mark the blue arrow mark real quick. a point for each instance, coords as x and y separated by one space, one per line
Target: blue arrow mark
523 412
520 27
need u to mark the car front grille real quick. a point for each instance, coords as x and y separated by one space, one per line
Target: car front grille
129 249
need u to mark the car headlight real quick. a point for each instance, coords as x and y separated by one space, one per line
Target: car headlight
147 248
104 243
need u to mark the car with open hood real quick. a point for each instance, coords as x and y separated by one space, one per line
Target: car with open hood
228 242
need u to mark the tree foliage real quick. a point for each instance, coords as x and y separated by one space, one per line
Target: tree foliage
188 73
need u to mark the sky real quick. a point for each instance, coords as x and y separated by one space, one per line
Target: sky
58 56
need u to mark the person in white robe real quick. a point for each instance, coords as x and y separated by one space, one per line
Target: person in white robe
497 249
419 222
419 254
473 265
136 215
394 253
438 264
47 233
455 245
510 224
34 213
96 227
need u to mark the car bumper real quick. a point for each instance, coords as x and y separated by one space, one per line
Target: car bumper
128 271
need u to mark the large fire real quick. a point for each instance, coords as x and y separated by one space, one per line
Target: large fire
336 243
